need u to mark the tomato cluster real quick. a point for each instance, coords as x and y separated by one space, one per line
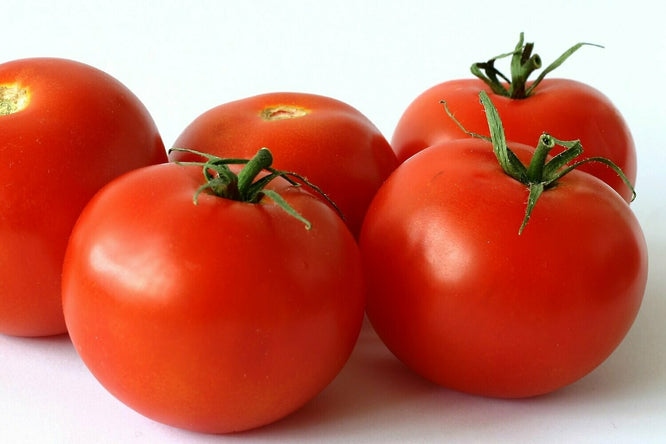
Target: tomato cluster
221 285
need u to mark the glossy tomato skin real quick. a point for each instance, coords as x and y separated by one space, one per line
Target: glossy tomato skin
328 141
218 317
457 295
566 109
80 128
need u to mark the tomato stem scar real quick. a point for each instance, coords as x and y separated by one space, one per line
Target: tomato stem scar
281 112
13 99
523 64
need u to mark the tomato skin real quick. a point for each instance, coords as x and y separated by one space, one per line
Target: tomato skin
462 299
330 143
566 109
80 129
218 317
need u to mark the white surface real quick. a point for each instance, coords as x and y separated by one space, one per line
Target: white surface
184 57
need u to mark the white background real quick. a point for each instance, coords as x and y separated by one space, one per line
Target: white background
184 57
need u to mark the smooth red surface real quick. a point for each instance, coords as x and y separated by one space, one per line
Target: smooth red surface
218 317
81 129
462 299
566 109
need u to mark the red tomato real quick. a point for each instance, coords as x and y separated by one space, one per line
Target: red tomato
567 109
329 142
66 129
215 317
464 300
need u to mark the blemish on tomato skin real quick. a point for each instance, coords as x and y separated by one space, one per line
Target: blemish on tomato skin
13 99
281 112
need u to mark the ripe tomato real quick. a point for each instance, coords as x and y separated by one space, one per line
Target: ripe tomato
464 300
565 108
215 317
66 129
329 142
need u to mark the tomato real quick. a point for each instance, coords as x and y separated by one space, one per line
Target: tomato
571 109
463 299
215 317
327 141
66 130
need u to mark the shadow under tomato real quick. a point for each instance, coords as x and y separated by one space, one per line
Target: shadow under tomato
637 368
38 344
375 390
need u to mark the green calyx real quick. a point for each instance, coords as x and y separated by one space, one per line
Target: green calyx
523 64
246 186
542 173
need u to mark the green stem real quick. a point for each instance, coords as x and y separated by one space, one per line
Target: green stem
486 71
538 162
523 64
561 59
261 161
507 159
543 172
244 186
535 190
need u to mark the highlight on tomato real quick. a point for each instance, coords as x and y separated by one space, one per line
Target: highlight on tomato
66 129
214 296
572 109
326 140
500 271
